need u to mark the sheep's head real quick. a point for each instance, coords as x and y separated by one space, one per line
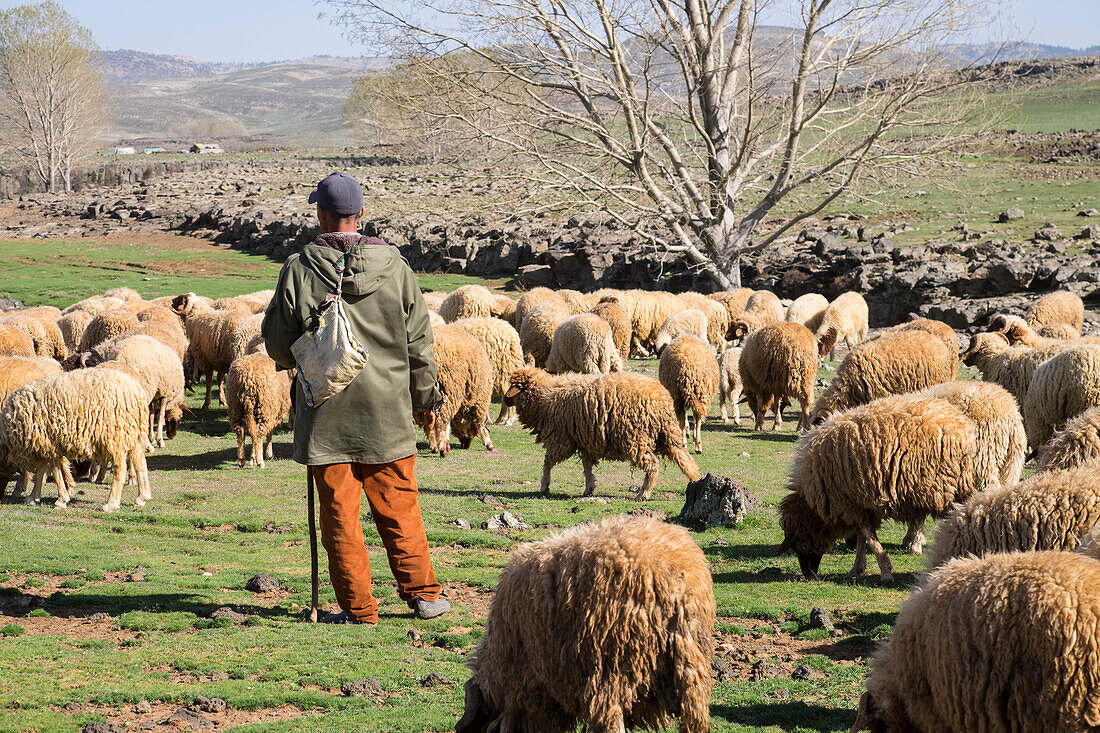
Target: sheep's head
804 532
827 342
1018 332
183 304
477 716
998 323
739 329
72 361
609 299
172 416
984 345
521 381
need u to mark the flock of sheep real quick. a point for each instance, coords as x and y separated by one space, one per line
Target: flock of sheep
894 436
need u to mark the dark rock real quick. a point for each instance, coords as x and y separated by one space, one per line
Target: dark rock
1088 212
185 717
143 707
98 616
100 728
1092 231
262 583
135 578
531 276
227 612
1011 215
491 500
716 501
763 670
71 708
820 619
362 688
462 523
435 679
770 572
1047 233
806 672
415 634
208 704
9 304
721 669
504 521
828 242
650 513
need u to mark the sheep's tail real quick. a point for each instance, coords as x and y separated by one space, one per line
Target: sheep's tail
674 449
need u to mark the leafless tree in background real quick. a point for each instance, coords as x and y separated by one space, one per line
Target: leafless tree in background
52 94
690 121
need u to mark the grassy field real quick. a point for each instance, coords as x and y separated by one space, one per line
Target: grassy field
107 617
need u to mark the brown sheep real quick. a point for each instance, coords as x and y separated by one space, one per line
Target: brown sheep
939 329
762 309
729 383
1003 643
1012 367
617 417
1058 308
72 326
809 310
734 300
901 458
583 344
536 332
616 316
1077 442
47 337
779 361
534 297
894 363
468 301
14 342
648 312
466 379
502 346
257 398
608 625
689 371
106 326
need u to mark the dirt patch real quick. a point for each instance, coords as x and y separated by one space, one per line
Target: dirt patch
766 651
473 597
72 627
152 715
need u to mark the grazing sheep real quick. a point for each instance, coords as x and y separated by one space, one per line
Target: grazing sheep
1012 367
894 363
468 301
95 305
210 335
729 383
1077 442
171 335
89 414
466 379
14 342
159 369
809 310
183 305
689 371
617 417
616 316
160 314
504 308
608 625
719 319
15 371
106 326
577 301
532 298
690 322
1058 308
47 337
648 312
939 329
583 344
779 361
734 300
72 326
257 399
502 346
762 309
900 457
1063 387
1052 510
536 332
1003 643
847 317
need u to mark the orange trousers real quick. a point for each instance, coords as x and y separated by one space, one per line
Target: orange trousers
392 495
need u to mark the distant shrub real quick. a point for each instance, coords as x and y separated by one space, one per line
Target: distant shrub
12 630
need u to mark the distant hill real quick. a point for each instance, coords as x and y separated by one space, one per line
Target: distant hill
982 53
124 66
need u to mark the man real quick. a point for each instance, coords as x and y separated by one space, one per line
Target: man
362 440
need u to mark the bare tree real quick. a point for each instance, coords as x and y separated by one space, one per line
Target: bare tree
691 121
52 95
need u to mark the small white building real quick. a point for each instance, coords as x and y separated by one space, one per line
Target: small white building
153 151
206 148
124 151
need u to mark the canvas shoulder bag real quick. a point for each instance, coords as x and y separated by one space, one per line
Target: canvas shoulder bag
328 356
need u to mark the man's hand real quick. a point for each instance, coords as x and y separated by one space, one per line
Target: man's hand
425 419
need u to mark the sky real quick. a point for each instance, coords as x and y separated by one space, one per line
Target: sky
272 30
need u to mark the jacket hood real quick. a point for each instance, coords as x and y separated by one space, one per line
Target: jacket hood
367 268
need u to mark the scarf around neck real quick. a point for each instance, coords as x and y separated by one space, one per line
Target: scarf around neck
347 241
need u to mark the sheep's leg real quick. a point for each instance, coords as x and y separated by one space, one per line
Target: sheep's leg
63 495
589 476
884 567
915 537
36 492
20 485
101 474
209 375
269 451
240 448
70 484
681 415
142 471
722 406
859 567
651 467
804 416
114 498
160 423
778 414
735 398
552 459
699 432
221 388
257 450
483 433
610 722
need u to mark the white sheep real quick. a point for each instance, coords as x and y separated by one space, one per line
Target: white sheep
583 344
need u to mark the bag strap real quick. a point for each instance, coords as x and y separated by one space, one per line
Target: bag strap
340 265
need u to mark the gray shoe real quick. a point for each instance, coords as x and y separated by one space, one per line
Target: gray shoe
430 609
342 617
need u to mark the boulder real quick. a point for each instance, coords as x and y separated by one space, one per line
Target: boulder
1011 214
716 501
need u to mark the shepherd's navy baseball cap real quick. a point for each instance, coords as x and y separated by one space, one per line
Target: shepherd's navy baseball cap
338 193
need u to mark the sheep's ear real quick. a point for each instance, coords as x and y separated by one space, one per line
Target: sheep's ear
512 392
784 547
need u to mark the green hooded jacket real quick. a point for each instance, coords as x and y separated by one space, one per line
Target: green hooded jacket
371 420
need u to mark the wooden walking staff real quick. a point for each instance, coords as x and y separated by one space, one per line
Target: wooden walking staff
312 547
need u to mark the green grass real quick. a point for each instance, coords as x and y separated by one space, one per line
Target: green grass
1057 107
